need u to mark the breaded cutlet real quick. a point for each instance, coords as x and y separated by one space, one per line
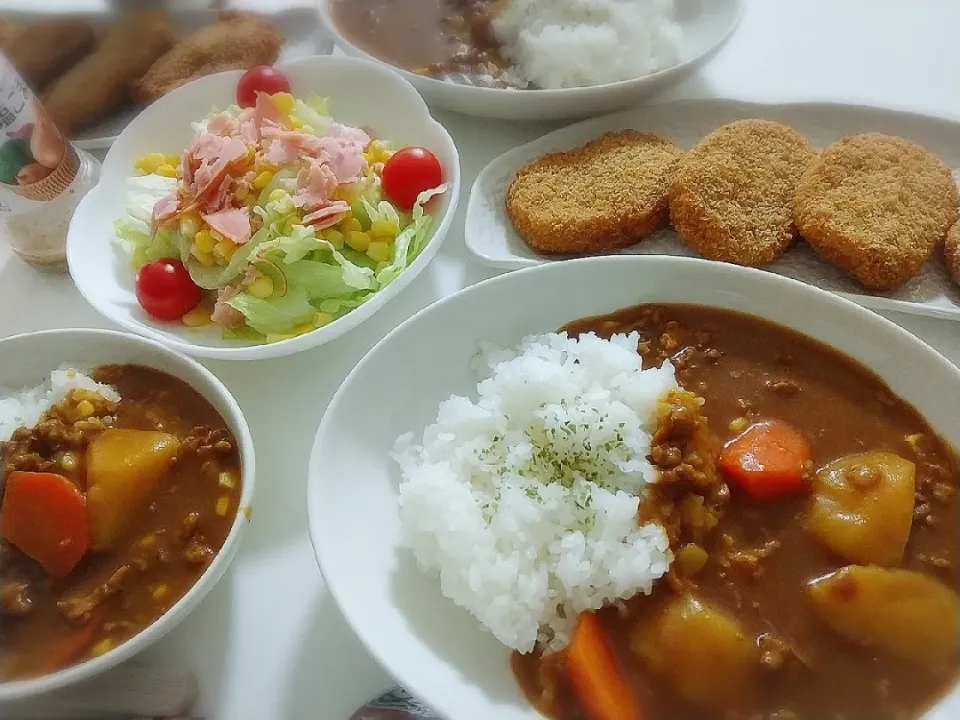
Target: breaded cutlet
608 194
951 252
9 29
732 194
876 206
98 83
236 41
44 49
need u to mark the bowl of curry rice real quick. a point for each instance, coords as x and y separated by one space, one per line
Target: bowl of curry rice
126 481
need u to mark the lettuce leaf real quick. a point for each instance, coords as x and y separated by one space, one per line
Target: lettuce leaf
275 315
134 230
411 240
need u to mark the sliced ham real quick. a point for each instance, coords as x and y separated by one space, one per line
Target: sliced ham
164 209
266 112
327 216
281 152
226 315
346 158
223 124
232 223
348 134
315 184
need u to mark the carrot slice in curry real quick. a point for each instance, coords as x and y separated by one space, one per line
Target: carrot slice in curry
767 460
45 517
602 689
67 650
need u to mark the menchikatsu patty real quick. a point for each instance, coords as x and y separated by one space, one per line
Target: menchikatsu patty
876 206
732 194
951 252
608 194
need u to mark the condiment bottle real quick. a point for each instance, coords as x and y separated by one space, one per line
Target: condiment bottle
42 175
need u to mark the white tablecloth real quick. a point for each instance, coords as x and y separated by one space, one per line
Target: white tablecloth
268 642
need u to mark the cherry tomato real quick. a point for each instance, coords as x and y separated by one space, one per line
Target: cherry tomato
165 290
408 173
262 78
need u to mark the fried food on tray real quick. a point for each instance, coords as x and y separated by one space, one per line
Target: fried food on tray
608 194
46 48
238 40
98 83
732 194
951 252
9 29
876 206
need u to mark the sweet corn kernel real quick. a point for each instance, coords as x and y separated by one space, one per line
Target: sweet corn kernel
284 101
262 180
160 591
384 229
334 237
242 192
738 424
290 224
198 317
189 225
227 480
84 409
102 647
204 241
358 240
224 249
150 162
296 123
348 193
321 318
262 287
165 170
68 461
350 224
378 251
172 160
251 155
206 259
304 328
223 504
277 337
215 235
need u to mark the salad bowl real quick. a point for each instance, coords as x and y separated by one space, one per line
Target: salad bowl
121 208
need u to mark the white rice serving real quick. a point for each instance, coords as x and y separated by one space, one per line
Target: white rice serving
524 501
576 43
23 407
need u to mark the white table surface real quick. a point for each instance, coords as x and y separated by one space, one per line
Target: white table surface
268 642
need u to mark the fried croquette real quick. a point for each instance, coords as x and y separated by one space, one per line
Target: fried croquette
237 41
98 83
876 206
732 194
46 48
9 30
951 252
608 194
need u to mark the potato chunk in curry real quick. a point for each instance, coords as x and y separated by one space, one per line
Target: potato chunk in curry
122 468
900 612
863 507
703 653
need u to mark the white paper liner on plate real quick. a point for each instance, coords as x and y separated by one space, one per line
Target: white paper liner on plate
490 236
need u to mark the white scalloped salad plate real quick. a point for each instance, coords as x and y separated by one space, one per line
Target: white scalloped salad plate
491 238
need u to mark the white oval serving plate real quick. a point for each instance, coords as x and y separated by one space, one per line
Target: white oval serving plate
491 238
707 25
433 648
388 105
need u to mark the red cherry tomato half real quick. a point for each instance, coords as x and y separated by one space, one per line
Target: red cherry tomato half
262 78
165 290
408 173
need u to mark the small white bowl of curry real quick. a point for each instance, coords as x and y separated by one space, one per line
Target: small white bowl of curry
126 481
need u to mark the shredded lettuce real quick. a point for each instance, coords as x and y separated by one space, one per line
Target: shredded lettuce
313 112
411 241
277 315
134 228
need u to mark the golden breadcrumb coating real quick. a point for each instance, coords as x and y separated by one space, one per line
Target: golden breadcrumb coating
732 194
608 194
876 206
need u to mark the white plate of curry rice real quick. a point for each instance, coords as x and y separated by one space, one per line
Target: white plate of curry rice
688 489
126 483
534 59
921 154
